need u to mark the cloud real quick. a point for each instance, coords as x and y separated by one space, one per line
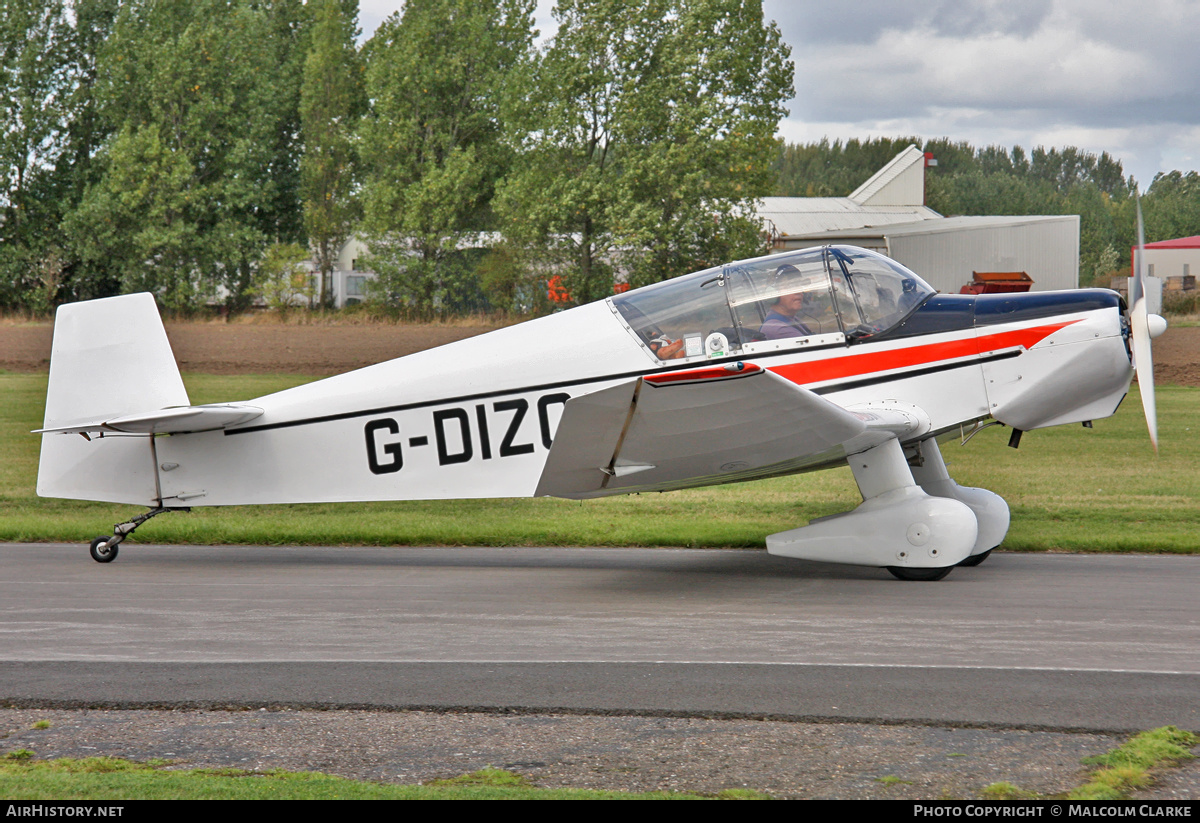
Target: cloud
1103 75
1108 74
819 21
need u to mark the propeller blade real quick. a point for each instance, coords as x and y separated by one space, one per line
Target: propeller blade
1139 320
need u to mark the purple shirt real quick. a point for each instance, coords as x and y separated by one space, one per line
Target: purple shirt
779 327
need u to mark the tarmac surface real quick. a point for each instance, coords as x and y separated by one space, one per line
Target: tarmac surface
621 668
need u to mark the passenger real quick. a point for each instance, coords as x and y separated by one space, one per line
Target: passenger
910 296
782 318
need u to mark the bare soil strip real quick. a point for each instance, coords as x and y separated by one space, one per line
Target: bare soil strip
321 350
219 348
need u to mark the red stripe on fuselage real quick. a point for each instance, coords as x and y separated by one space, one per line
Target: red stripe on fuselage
855 365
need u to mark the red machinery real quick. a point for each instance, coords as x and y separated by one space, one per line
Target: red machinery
997 282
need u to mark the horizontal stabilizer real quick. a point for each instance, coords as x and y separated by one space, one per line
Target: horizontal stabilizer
165 421
711 422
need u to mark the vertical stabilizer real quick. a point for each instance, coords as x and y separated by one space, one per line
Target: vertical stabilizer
109 357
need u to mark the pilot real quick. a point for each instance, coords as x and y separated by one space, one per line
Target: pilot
783 319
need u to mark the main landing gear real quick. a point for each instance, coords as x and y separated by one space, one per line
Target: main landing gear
990 510
975 559
914 520
905 573
104 548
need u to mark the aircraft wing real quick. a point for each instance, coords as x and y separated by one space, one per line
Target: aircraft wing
708 422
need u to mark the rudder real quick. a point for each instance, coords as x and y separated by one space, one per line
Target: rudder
109 357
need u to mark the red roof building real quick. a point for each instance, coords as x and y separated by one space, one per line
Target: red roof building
1170 259
1181 243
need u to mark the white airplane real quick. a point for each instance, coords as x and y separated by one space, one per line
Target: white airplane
772 366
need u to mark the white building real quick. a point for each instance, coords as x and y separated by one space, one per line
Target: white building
1172 258
349 277
888 214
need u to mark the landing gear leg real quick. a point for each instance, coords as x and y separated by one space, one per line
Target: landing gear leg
104 548
990 509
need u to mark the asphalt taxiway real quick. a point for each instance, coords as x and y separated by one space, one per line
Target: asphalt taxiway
1084 642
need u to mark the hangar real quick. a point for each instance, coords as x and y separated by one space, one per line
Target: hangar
888 214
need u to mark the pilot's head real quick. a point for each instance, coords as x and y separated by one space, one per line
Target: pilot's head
789 287
787 275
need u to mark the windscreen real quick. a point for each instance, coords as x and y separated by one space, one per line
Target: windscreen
873 292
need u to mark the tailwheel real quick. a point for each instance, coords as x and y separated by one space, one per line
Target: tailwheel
906 573
101 551
975 559
104 548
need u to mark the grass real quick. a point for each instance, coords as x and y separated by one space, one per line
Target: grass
1129 766
1006 791
1122 771
1069 489
108 778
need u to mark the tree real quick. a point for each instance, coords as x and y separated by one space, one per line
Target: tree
144 219
699 144
832 169
35 81
645 138
1172 206
283 277
199 96
86 133
50 135
431 145
331 100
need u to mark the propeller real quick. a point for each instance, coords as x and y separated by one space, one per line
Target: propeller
1144 327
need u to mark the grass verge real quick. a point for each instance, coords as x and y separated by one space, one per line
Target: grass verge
109 778
1125 769
1070 489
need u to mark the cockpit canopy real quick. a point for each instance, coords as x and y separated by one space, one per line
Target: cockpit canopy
783 301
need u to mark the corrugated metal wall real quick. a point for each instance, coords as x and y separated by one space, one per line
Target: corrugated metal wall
1048 251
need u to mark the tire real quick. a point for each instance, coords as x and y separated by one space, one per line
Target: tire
100 550
976 559
905 573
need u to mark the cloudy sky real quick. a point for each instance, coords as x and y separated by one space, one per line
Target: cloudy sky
1121 76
